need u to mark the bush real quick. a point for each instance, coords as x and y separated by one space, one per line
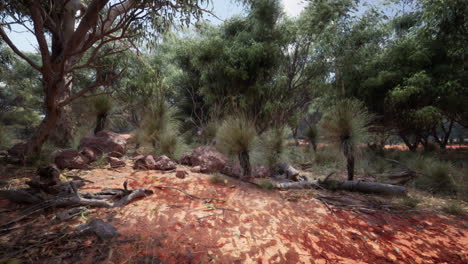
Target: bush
410 202
209 131
454 208
160 128
311 135
272 147
436 176
216 179
236 136
266 184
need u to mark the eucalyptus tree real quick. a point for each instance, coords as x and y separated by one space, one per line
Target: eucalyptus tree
76 28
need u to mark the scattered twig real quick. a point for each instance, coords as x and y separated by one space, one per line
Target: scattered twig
188 194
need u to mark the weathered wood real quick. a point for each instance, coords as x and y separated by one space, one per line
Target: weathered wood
356 186
290 172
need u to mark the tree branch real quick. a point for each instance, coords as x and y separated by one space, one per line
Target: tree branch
17 51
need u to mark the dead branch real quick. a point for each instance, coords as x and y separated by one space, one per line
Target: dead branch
188 194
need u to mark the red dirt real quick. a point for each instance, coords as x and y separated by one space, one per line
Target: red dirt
261 226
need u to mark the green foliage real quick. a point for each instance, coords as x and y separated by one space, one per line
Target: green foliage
217 179
411 202
102 104
236 135
436 176
272 147
266 184
209 131
454 208
160 128
347 124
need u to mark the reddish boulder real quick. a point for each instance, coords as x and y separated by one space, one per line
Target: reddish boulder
71 159
105 142
164 163
89 153
145 163
208 158
181 174
196 169
115 162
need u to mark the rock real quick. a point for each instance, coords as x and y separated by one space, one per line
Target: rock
103 230
233 169
196 169
145 163
105 142
181 174
115 162
208 158
137 157
165 163
71 159
89 153
18 150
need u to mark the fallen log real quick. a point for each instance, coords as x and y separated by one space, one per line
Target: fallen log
290 172
354 186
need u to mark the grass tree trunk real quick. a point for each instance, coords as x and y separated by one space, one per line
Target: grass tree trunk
348 152
100 122
244 160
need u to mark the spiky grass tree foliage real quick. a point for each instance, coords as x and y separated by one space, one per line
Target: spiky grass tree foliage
347 125
236 136
102 105
273 146
160 128
311 135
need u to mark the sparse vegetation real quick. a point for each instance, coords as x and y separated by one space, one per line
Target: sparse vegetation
453 208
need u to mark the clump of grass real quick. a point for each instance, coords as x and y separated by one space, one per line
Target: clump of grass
453 208
101 161
411 202
436 176
217 179
209 131
266 184
160 128
102 105
347 125
236 136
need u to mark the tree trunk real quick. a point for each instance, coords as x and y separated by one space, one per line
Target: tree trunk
349 154
41 135
411 146
62 132
100 122
244 160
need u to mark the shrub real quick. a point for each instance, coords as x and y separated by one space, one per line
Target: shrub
266 184
209 131
436 176
236 136
160 128
347 124
272 147
216 179
453 208
410 202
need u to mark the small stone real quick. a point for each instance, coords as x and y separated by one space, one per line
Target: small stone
181 174
196 169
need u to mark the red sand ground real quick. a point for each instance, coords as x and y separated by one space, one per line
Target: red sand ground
260 226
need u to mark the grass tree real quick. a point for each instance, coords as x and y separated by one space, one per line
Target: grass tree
236 136
102 106
311 135
347 125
